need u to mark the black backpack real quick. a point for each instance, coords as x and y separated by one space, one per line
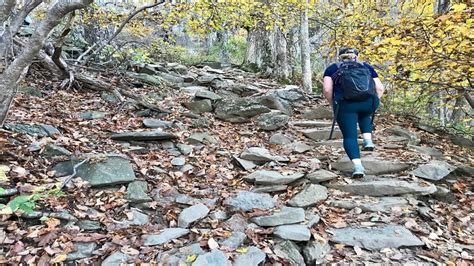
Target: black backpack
355 80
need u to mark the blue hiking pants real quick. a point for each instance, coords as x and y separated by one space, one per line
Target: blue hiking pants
351 113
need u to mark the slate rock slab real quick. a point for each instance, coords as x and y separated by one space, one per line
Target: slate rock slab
272 121
286 215
372 165
156 123
295 232
253 257
377 238
246 201
299 147
54 150
269 189
318 134
137 192
434 170
136 218
205 94
239 110
309 196
41 130
143 136
213 258
435 153
266 177
116 258
386 187
89 225
320 176
383 204
112 171
202 138
91 115
280 139
199 106
192 214
289 251
411 137
236 223
314 252
164 237
311 123
317 113
261 155
245 164
82 250
235 240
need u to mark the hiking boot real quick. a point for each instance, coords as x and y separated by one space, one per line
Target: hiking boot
368 145
358 171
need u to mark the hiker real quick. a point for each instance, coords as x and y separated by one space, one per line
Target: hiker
354 90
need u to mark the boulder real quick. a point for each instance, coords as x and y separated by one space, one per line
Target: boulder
199 106
280 139
272 121
410 137
205 94
239 110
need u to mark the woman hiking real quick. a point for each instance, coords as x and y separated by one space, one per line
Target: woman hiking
354 90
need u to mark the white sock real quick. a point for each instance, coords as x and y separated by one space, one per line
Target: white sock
356 161
367 136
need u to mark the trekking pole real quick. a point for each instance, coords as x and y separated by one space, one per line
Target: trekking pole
334 121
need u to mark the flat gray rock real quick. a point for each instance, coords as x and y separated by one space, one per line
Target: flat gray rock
268 189
309 196
116 258
245 164
164 237
54 150
192 214
82 250
289 251
41 130
266 177
89 225
272 121
434 170
236 223
235 240
91 115
336 143
202 138
377 238
435 153
286 215
318 134
137 192
253 257
178 161
213 258
246 201
280 139
239 110
411 137
184 148
199 106
299 147
314 252
383 204
205 94
295 232
156 123
291 93
320 176
372 165
311 123
318 113
194 89
136 218
113 170
143 136
261 155
386 187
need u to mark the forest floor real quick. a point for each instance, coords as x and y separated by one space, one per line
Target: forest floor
194 184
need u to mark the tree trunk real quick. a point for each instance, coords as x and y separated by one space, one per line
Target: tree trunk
13 72
282 66
441 6
292 51
305 52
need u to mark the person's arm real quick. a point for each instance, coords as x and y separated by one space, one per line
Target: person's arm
379 87
328 86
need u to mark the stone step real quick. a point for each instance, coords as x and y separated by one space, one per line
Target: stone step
378 187
336 143
372 164
318 134
311 123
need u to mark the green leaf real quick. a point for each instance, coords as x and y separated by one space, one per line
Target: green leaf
2 190
16 202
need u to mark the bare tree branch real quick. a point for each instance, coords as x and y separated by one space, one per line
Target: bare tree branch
117 32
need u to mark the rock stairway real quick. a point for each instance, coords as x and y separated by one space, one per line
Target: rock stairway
269 189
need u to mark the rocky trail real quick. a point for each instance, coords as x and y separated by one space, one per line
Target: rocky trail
238 171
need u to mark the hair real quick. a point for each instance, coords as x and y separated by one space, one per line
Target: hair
348 50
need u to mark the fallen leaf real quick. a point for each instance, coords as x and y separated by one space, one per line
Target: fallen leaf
59 258
52 223
191 258
358 250
212 243
339 246
242 250
3 173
